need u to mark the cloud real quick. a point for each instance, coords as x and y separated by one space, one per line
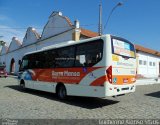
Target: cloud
8 29
8 33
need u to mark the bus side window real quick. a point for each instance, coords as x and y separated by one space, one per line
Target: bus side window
49 59
89 54
80 58
65 57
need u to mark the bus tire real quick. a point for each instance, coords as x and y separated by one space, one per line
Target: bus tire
61 92
22 85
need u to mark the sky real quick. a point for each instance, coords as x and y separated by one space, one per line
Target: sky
136 20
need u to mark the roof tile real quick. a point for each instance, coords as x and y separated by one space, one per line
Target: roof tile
88 33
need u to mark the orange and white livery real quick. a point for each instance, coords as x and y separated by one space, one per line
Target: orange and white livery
97 67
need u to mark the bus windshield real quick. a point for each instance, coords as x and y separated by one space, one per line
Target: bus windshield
123 48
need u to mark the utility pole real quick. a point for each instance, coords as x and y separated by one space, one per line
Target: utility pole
100 19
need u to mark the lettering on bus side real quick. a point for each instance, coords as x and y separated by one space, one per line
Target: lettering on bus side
65 73
124 64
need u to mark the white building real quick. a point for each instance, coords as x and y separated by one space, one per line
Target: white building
59 29
148 62
33 41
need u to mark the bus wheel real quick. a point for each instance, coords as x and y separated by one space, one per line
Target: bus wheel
61 92
22 85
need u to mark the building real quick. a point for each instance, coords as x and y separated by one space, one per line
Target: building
59 29
148 62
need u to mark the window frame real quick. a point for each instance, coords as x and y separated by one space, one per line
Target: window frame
56 50
75 46
144 62
98 40
154 64
141 62
123 40
150 63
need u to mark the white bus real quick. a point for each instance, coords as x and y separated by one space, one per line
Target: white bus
96 67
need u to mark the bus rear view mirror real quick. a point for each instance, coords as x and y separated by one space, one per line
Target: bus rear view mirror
19 62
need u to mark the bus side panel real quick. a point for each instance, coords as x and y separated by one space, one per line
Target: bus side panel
87 91
36 84
27 80
45 86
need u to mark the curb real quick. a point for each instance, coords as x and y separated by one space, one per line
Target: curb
147 82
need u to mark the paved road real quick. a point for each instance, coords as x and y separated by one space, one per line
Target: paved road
17 104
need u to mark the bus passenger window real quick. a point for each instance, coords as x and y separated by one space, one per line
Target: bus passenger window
65 57
89 54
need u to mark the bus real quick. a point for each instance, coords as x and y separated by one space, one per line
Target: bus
96 67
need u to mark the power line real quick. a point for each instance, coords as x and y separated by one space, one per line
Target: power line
43 27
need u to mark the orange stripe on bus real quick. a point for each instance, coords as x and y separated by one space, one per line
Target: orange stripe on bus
123 79
100 81
120 80
47 75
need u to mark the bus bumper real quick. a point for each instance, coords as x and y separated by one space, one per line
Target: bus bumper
115 90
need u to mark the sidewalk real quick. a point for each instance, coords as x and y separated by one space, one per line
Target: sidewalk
13 76
147 81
